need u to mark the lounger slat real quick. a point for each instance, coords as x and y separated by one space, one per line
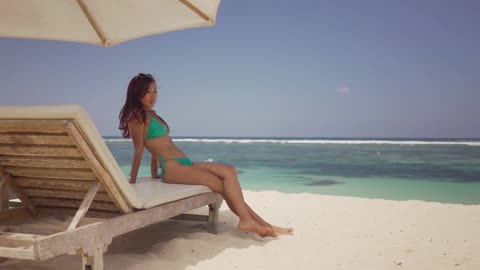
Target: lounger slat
36 139
191 217
31 229
72 203
4 195
55 183
66 194
44 162
17 253
43 151
14 214
85 205
18 191
71 174
8 239
43 126
103 176
5 242
66 211
4 138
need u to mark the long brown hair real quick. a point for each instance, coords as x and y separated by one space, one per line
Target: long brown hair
133 108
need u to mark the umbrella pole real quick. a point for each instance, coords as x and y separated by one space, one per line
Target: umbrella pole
92 22
196 10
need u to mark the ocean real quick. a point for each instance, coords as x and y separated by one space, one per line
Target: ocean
446 171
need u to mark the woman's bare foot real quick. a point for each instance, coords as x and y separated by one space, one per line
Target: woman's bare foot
277 231
282 231
253 226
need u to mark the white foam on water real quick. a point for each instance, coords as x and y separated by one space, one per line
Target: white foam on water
315 141
117 140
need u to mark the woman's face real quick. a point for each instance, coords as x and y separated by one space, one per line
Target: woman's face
148 101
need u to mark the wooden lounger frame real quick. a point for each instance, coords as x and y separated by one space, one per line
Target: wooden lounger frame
54 171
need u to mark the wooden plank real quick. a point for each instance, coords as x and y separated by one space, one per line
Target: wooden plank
35 138
84 206
66 194
64 211
2 182
38 125
19 213
103 176
39 150
103 232
5 138
43 162
72 203
191 217
4 196
17 253
32 229
82 185
20 236
6 242
81 174
19 192
9 239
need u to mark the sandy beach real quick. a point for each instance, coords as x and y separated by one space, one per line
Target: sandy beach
331 232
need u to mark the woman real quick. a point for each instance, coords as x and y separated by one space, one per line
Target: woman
139 121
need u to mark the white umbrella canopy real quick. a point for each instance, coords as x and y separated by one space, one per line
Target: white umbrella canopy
102 22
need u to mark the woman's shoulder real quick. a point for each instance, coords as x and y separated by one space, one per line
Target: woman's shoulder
152 112
136 120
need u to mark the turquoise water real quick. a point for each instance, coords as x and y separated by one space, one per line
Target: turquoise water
372 187
442 171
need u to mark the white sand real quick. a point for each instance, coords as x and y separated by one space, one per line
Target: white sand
330 233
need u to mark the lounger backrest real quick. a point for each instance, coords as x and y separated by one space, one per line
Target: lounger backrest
52 164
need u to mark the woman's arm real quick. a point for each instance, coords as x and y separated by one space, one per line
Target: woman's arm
154 167
136 132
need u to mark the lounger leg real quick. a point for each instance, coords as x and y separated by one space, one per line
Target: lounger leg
4 196
94 262
213 217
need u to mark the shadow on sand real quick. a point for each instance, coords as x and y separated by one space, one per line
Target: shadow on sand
172 243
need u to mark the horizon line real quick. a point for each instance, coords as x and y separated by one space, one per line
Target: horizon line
324 138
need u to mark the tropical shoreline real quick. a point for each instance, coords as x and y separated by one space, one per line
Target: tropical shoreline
331 232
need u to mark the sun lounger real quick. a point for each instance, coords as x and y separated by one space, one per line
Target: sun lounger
55 161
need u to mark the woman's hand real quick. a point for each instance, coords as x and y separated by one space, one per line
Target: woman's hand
154 168
132 180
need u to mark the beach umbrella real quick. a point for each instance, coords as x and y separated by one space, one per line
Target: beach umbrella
101 22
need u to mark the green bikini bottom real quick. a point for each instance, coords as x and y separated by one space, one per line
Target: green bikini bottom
182 160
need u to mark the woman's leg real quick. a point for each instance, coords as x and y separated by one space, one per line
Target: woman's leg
180 174
225 171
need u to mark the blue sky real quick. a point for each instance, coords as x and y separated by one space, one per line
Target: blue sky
278 68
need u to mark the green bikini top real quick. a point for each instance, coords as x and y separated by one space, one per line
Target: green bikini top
156 129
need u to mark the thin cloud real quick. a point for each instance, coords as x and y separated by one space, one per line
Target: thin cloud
343 90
